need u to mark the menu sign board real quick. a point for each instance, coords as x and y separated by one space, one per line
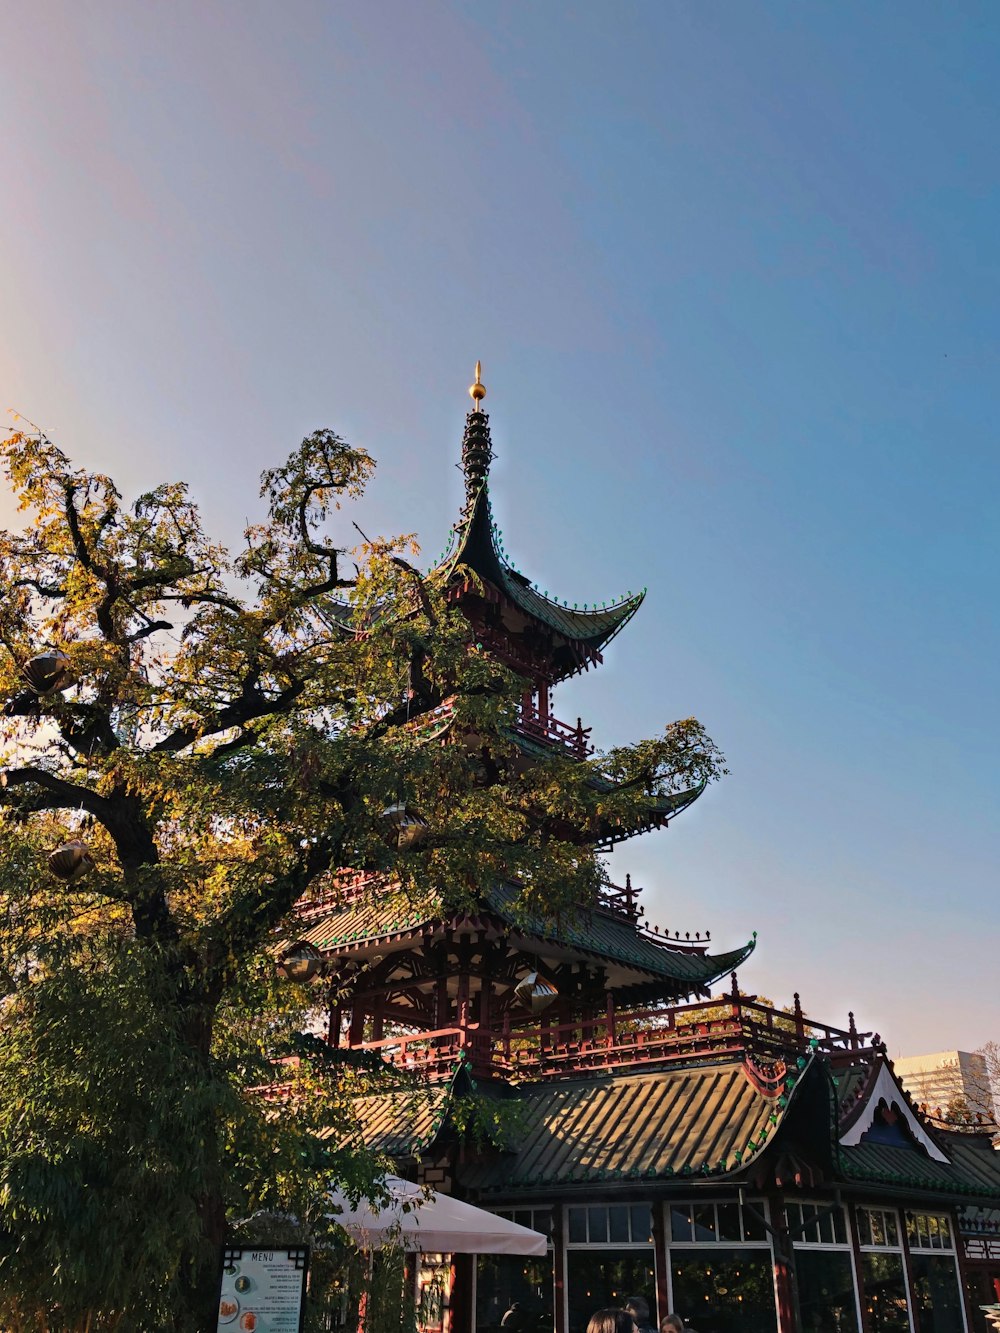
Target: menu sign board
263 1289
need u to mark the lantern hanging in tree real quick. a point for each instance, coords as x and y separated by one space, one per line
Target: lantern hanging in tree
405 829
71 861
50 672
535 993
301 963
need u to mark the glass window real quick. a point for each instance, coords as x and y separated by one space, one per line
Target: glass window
704 1222
680 1223
928 1231
597 1226
641 1219
728 1215
877 1227
614 1224
884 1293
502 1279
753 1221
723 1288
936 1293
618 1229
816 1224
717 1223
826 1291
596 1279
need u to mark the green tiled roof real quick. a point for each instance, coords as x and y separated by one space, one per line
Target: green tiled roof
595 933
973 1169
606 936
705 1121
403 1123
367 921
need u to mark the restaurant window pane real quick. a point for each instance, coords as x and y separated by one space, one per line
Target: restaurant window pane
936 1294
864 1226
878 1228
839 1227
724 1289
680 1223
642 1223
753 1225
729 1221
618 1231
597 1225
826 1291
596 1279
884 1293
577 1225
502 1279
891 1233
704 1222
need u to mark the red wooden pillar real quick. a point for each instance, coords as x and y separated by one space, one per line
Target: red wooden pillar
965 1278
334 1024
785 1294
460 1312
462 1019
357 1032
852 1221
378 1017
442 1008
610 1014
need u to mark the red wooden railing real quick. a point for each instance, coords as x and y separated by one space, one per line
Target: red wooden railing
349 886
575 739
728 1026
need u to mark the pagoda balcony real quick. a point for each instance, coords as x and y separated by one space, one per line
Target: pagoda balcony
737 1028
352 886
551 731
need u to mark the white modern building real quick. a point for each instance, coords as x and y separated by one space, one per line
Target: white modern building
941 1080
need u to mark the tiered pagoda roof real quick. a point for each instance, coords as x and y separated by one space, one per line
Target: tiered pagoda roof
640 966
567 638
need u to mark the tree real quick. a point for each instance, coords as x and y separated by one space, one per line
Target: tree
208 739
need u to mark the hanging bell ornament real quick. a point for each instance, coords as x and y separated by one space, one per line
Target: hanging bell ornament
49 672
301 963
71 861
405 829
535 993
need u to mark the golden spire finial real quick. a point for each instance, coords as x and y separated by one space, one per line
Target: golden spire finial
477 391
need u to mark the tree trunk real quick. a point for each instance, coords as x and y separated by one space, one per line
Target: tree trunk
200 1274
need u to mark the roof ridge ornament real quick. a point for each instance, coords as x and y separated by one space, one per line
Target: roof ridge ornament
477 391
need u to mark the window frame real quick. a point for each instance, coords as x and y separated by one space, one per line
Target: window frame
607 1243
698 1243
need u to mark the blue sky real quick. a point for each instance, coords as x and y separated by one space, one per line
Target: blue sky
732 271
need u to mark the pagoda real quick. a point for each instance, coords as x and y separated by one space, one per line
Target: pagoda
750 1167
470 986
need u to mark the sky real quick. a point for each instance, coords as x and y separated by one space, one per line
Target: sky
733 273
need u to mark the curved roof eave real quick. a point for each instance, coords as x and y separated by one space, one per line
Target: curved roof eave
478 549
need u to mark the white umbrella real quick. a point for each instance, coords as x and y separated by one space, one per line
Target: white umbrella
433 1223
